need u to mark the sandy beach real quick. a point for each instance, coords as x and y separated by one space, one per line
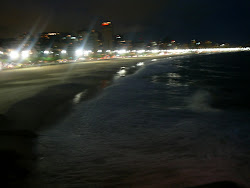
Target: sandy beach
33 96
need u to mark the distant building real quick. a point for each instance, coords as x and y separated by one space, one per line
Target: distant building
120 42
107 35
89 39
93 40
82 34
49 35
139 44
208 44
153 45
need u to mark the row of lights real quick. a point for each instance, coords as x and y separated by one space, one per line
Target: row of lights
15 54
79 52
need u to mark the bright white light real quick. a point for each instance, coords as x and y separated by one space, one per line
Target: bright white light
205 50
82 59
108 51
63 52
1 52
141 51
122 72
14 55
99 51
25 54
78 97
155 51
87 52
46 52
121 51
79 52
140 64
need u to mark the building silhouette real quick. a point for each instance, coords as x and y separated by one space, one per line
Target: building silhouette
107 36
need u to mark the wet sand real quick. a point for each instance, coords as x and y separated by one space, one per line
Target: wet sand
20 84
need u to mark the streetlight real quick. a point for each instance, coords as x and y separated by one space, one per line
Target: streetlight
141 51
25 54
122 51
14 55
87 52
63 52
79 53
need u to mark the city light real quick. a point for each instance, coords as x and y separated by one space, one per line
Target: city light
106 23
121 51
205 50
25 54
140 64
122 72
53 33
87 52
63 52
79 53
141 51
14 55
46 52
155 51
99 51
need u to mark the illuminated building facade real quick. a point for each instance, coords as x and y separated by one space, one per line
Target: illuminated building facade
107 35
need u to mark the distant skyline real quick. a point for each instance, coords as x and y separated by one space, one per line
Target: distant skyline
216 20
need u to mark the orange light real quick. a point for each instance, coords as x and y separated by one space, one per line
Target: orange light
106 23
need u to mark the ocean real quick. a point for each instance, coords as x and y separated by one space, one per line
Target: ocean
174 122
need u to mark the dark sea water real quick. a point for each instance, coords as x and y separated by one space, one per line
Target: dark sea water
176 122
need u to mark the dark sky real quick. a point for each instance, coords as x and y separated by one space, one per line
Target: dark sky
217 20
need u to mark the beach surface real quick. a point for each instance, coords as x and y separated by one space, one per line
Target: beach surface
32 96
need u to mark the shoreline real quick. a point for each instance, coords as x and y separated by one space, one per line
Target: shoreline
26 88
32 97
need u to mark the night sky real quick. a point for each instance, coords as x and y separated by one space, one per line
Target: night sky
183 20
